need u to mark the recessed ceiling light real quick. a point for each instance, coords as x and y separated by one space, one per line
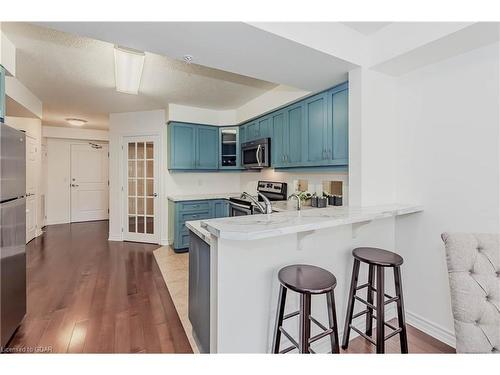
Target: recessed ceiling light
188 59
128 69
76 121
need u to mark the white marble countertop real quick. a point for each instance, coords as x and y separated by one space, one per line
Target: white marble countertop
195 227
253 227
199 197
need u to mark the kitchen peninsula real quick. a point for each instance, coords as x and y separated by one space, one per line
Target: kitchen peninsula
245 254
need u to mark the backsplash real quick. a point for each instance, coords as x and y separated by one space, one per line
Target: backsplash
249 180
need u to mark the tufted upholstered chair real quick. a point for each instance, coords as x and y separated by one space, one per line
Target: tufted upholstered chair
474 275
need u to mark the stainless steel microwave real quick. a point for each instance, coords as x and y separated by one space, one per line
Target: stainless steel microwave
256 154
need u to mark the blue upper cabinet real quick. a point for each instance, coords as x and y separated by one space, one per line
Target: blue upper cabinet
294 117
338 125
252 131
182 141
265 127
193 146
207 140
313 132
2 93
278 139
315 128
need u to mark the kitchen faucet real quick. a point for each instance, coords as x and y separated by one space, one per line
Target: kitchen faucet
299 202
265 207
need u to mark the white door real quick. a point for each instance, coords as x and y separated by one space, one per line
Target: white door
89 182
31 178
140 187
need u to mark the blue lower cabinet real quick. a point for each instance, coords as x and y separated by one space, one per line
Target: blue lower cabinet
191 211
221 208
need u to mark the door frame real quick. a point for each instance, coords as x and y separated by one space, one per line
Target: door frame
156 139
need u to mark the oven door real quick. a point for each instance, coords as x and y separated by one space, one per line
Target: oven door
236 209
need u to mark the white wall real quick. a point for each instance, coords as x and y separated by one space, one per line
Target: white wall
371 137
448 160
184 113
75 133
268 101
20 93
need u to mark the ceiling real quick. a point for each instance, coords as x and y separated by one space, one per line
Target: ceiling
235 47
73 76
366 28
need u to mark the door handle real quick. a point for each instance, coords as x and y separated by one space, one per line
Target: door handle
74 185
155 195
257 154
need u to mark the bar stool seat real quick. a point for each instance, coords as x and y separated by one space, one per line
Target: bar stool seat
304 278
377 257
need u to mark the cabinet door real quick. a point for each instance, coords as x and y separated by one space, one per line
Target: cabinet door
2 93
207 140
253 131
293 135
243 133
315 129
264 126
338 127
221 208
277 141
182 146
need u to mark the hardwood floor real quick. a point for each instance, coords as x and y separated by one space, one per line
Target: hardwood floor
89 295
418 342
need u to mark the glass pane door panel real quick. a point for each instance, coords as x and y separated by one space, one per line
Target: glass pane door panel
149 150
140 150
140 187
149 187
150 208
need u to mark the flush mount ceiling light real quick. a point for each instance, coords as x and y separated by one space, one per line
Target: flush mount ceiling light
76 121
128 69
188 59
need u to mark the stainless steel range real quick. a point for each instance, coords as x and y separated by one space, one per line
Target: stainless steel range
248 205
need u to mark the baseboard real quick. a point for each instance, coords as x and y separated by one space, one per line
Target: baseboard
115 238
432 329
415 320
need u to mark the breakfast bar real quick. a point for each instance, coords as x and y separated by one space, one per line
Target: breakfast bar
246 253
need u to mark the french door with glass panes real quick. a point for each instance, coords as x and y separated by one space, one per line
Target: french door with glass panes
140 189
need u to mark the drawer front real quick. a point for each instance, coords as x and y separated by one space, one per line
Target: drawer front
193 206
198 215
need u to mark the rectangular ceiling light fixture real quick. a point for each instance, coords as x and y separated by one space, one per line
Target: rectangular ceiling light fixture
128 69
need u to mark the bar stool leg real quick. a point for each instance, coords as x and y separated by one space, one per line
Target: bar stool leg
369 299
350 306
279 319
332 319
305 322
401 310
380 310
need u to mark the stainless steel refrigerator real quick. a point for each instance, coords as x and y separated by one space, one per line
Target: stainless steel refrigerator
12 231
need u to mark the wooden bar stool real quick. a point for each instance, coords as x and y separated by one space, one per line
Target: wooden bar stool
306 280
377 260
